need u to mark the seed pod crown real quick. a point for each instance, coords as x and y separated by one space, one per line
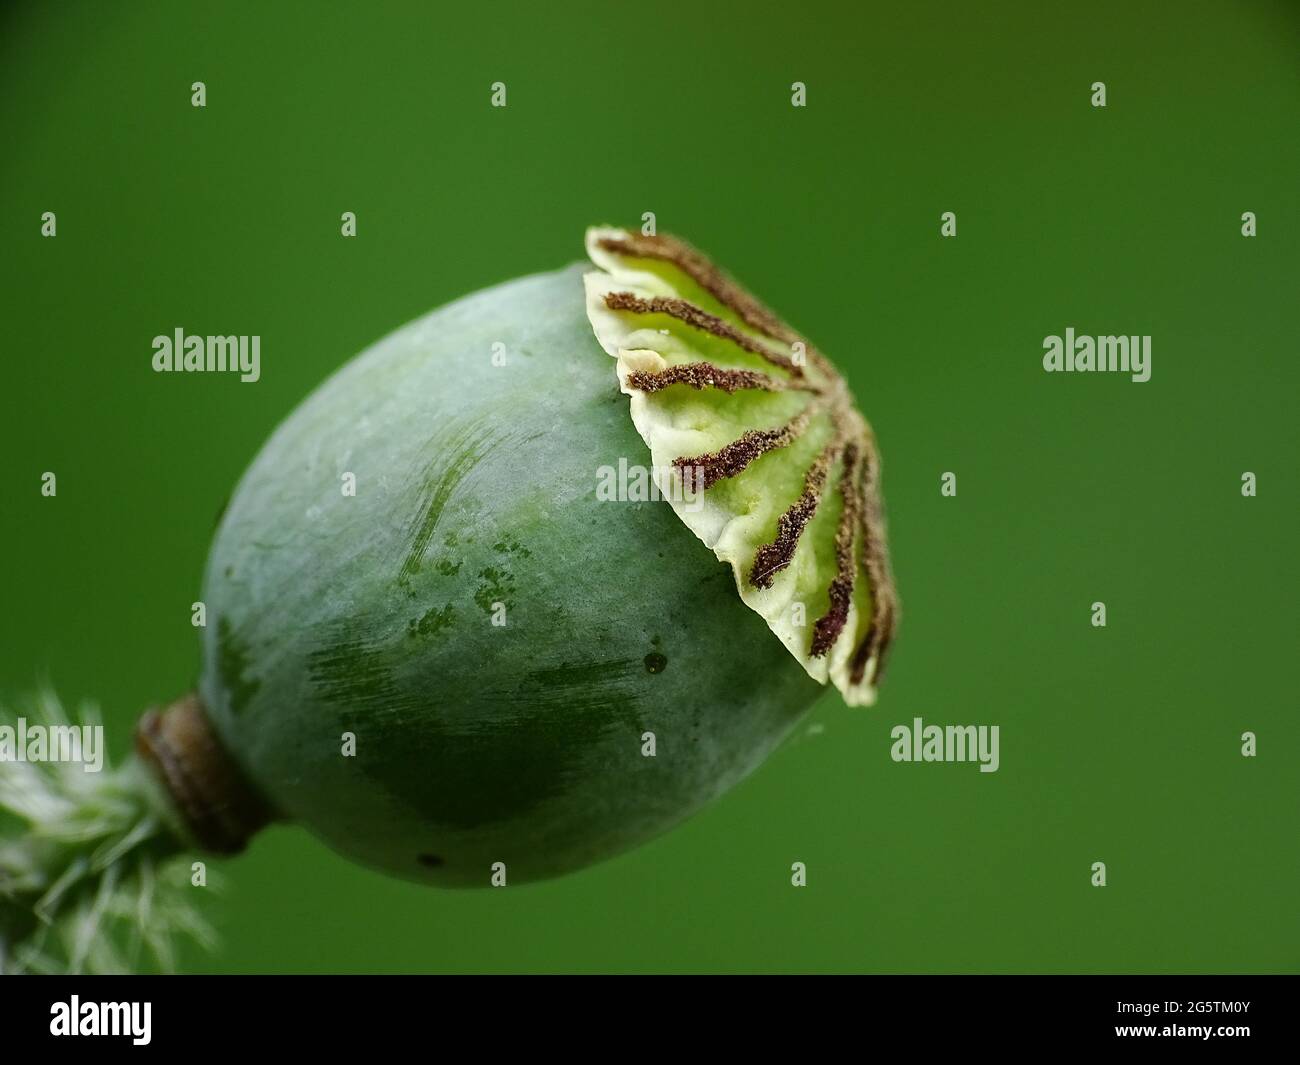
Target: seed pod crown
757 445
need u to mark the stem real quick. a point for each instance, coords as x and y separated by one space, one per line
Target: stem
71 872
88 880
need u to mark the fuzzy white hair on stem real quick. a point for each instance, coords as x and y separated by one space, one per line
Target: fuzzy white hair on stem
89 881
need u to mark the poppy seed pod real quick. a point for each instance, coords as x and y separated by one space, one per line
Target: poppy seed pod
434 642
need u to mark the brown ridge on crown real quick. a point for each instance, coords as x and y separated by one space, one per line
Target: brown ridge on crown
704 375
774 557
686 311
829 626
884 601
731 459
722 287
701 270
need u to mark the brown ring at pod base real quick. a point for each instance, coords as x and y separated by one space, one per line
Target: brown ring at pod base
216 803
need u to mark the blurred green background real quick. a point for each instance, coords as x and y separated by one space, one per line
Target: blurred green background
1119 745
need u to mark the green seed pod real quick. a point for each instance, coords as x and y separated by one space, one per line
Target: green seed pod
497 639
433 642
464 622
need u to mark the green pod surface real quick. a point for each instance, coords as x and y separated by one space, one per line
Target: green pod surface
373 614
